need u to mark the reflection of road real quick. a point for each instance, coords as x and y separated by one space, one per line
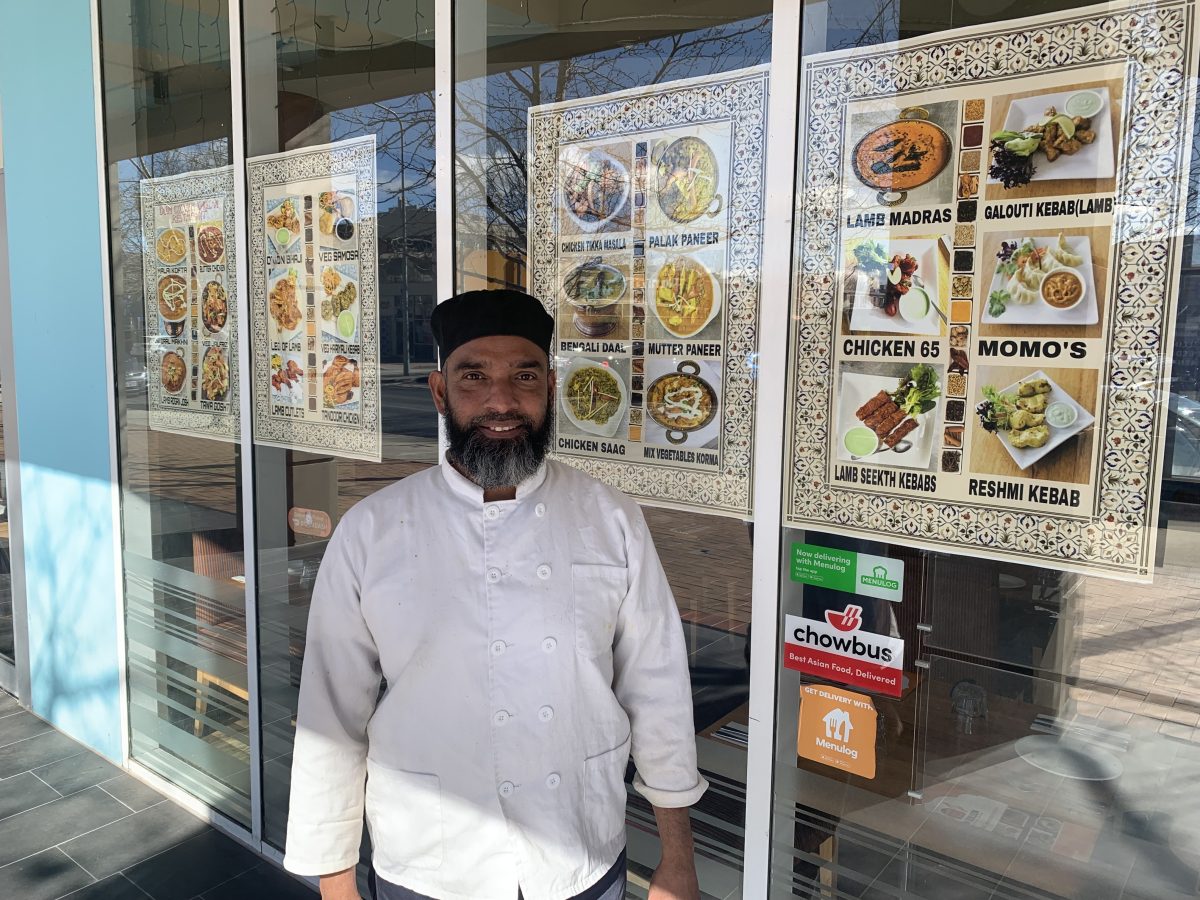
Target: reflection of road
408 409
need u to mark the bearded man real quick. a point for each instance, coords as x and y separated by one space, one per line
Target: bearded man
519 616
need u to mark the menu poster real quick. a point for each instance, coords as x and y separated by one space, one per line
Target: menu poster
988 231
189 284
645 238
314 299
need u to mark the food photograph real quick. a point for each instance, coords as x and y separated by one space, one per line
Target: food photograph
687 295
682 403
888 413
341 383
283 223
285 316
594 188
1055 279
1061 141
171 246
173 303
173 371
287 379
337 218
210 243
214 374
900 155
1034 424
594 299
685 178
339 304
900 285
214 306
593 396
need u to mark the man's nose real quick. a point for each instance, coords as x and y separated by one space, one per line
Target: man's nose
502 397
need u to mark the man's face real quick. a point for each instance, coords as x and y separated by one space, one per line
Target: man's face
496 396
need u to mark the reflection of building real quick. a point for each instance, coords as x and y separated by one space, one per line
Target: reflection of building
407 289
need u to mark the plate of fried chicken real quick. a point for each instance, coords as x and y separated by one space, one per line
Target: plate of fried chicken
1081 149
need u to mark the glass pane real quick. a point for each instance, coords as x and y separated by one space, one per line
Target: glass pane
505 63
6 602
167 102
318 74
1049 718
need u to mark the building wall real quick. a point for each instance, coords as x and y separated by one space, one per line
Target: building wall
62 388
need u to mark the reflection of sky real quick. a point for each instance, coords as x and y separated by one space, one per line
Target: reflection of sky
501 151
404 135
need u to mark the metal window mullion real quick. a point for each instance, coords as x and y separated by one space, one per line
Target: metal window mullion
245 406
443 108
769 469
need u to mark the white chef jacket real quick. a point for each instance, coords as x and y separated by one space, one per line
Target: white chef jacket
528 645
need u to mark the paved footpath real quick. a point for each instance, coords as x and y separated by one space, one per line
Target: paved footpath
72 825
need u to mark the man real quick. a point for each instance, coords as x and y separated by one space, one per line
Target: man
529 641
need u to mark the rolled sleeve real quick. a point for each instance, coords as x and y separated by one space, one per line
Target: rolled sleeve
339 687
650 678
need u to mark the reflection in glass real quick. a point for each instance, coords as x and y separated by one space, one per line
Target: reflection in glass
319 74
7 650
167 106
1051 726
504 64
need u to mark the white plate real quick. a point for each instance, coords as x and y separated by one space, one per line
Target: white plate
575 158
275 332
856 389
609 428
329 327
1094 160
1068 758
1039 312
1025 457
271 232
865 316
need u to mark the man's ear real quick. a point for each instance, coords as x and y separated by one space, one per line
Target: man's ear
552 380
437 388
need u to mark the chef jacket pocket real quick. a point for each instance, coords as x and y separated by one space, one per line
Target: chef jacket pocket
604 789
598 591
404 812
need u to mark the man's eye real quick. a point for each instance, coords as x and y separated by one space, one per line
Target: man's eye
473 376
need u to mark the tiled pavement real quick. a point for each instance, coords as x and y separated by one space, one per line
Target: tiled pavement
73 825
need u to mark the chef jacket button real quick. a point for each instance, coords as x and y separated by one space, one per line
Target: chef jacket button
507 788
540 510
501 716
546 713
553 780
549 644
491 512
498 648
543 571
493 575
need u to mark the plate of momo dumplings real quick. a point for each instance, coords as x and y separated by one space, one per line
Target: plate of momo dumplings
1044 280
1032 417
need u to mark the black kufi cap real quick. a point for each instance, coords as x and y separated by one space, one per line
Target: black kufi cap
476 314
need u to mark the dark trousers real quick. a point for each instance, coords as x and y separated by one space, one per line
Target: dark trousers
385 890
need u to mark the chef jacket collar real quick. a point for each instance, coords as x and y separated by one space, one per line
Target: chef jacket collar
461 484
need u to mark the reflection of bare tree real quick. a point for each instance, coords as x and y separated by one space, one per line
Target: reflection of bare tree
490 120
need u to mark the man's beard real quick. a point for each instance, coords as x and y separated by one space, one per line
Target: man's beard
498 462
